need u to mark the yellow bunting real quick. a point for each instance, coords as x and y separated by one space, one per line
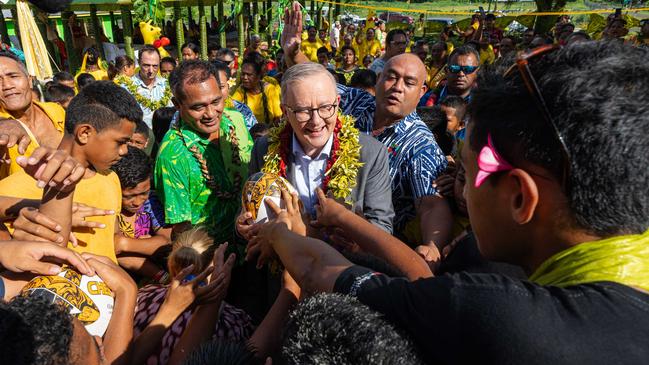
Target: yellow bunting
435 12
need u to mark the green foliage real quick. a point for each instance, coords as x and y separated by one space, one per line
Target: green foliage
141 12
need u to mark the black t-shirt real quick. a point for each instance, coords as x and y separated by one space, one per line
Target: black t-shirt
493 319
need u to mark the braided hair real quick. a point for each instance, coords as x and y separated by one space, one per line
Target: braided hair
257 62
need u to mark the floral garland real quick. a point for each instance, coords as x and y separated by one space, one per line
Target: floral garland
144 102
342 166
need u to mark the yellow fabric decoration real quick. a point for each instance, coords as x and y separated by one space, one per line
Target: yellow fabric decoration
622 259
36 56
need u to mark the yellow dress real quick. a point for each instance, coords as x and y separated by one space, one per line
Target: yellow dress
372 48
100 74
310 49
101 191
325 43
256 102
53 111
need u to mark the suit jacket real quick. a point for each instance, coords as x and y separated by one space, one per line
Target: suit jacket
373 191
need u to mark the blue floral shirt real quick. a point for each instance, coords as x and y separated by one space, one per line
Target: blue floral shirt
415 158
248 116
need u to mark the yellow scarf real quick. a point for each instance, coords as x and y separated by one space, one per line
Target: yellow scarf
622 259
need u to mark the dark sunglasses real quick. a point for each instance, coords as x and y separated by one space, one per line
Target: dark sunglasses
466 69
523 66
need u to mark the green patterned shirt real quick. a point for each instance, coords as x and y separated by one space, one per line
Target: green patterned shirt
181 185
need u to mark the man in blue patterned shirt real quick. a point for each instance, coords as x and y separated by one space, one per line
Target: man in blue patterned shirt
422 217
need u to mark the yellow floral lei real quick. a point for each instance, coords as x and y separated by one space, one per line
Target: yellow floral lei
344 170
145 102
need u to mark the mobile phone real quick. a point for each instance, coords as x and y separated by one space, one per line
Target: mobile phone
618 12
481 11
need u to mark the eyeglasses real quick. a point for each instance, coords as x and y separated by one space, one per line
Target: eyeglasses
306 114
523 66
466 69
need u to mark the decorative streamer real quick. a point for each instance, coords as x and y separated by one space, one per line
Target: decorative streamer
36 56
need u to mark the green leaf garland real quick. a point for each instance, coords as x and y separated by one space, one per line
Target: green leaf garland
144 102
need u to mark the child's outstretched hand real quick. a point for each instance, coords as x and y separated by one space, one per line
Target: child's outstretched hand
219 278
39 258
53 168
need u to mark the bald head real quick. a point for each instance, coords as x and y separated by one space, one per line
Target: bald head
401 84
410 61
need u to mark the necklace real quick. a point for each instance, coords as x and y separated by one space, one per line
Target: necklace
205 171
344 159
127 82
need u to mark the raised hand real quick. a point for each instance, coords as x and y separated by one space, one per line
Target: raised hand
291 37
219 278
182 292
41 258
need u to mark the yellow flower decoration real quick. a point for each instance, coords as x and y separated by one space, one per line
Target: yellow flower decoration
343 172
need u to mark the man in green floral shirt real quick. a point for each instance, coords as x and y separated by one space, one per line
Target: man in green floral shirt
203 159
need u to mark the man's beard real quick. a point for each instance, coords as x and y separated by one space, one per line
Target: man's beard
51 6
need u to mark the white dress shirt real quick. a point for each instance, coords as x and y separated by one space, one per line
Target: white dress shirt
309 173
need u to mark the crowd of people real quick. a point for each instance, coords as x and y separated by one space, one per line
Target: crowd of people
475 199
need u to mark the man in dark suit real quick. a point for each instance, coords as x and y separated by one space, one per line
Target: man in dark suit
309 140
310 105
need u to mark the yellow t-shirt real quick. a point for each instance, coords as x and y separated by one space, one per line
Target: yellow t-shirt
256 102
310 49
97 74
487 55
372 48
101 191
53 111
357 52
326 43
